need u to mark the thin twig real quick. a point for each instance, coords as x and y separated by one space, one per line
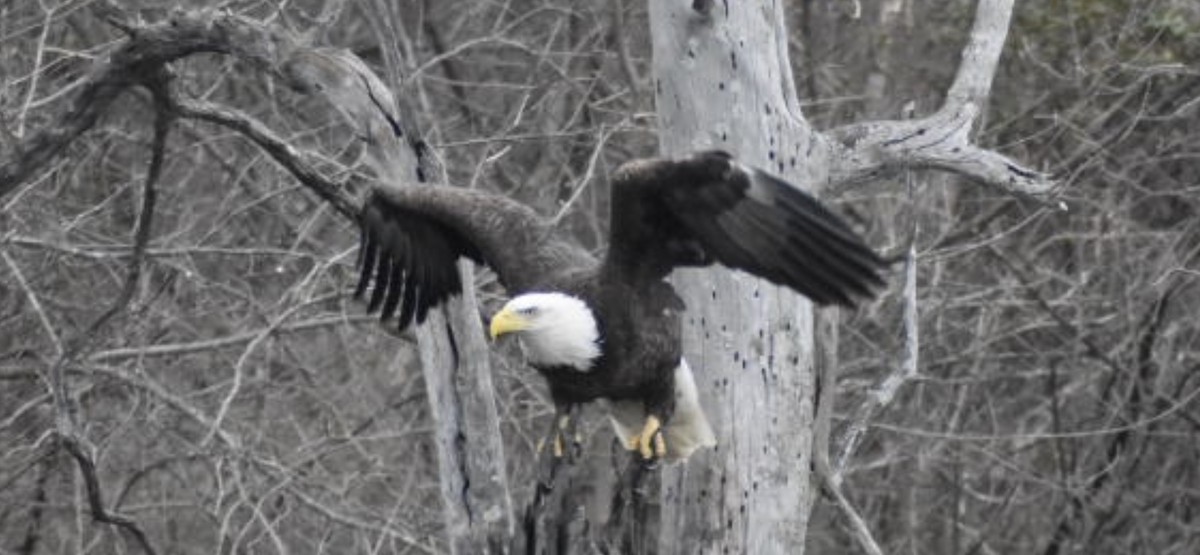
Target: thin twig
87 468
239 370
155 389
858 527
831 479
33 302
906 371
289 476
214 343
283 152
35 72
587 176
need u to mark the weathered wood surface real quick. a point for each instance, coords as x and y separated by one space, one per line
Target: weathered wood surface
723 80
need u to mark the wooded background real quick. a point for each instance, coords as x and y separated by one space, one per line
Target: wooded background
242 403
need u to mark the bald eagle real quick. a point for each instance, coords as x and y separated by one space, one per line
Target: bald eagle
610 328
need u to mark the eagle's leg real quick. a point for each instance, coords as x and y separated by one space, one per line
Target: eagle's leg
659 405
649 442
562 428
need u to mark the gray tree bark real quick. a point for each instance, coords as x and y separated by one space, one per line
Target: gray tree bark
723 80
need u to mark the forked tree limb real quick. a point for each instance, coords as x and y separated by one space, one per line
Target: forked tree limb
942 141
872 150
939 141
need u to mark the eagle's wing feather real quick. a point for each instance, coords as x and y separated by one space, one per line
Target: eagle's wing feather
412 238
709 208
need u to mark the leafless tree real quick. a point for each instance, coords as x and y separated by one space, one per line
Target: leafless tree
184 372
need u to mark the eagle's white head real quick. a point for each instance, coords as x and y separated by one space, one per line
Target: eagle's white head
555 329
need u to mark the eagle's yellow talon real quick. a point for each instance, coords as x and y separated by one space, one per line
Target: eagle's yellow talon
650 441
634 441
557 438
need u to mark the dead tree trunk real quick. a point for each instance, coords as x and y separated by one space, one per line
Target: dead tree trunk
451 345
723 80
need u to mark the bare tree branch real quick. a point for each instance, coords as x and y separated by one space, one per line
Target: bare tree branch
150 47
867 151
980 57
214 343
905 372
859 529
95 498
826 323
280 150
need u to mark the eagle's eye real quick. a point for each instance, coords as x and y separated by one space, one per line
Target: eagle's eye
528 311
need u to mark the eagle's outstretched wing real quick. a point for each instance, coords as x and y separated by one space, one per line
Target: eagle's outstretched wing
709 208
412 238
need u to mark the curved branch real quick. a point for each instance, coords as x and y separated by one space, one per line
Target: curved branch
867 151
136 62
874 149
279 149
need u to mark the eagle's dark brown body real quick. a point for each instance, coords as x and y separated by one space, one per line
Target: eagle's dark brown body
630 366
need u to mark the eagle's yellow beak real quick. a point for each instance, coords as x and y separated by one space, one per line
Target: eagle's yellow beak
507 321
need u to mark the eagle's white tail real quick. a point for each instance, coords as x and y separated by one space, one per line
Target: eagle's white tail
686 431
